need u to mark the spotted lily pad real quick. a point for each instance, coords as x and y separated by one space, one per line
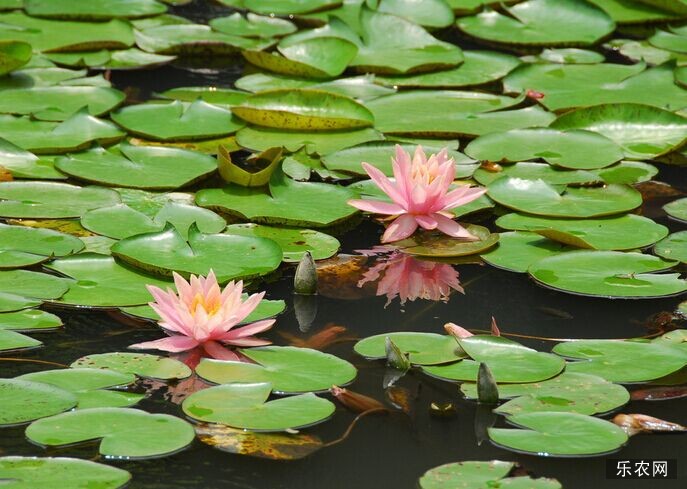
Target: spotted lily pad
516 251
422 348
246 406
477 475
555 434
438 245
66 473
289 369
140 364
21 246
13 55
508 361
24 401
608 274
123 432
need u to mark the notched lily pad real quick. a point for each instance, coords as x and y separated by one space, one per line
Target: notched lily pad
476 475
140 364
25 401
421 348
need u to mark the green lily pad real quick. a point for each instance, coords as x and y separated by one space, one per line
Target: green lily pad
262 138
509 362
439 245
479 67
147 167
119 59
303 109
633 11
21 246
569 392
51 200
517 250
677 209
139 364
41 137
24 164
538 197
289 370
541 22
611 274
59 35
212 95
575 149
628 172
626 232
641 50
478 475
281 7
570 55
643 132
431 14
246 406
190 39
672 41
58 103
94 9
122 432
421 348
623 361
177 120
89 385
555 434
66 473
24 401
13 55
294 242
528 170
11 341
21 289
252 25
677 6
99 281
29 320
361 87
288 202
230 256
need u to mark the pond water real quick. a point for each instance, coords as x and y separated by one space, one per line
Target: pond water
381 451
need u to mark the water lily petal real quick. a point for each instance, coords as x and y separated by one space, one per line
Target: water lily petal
386 185
174 343
427 222
461 196
400 228
377 207
220 352
248 330
452 228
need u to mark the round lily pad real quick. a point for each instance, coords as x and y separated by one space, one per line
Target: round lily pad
673 247
538 197
66 473
608 274
140 364
119 59
29 320
622 361
282 7
58 103
439 245
22 246
528 170
627 172
677 209
508 361
24 164
94 10
262 138
123 432
11 341
252 25
13 55
517 250
147 167
555 434
476 475
246 406
212 95
290 370
422 348
191 39
626 232
571 55
21 289
24 401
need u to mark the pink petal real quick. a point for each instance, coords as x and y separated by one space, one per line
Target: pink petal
248 306
452 228
174 343
401 167
220 352
248 341
377 207
457 331
426 222
385 184
248 330
402 227
462 196
183 287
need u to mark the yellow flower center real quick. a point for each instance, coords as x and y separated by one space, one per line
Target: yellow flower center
199 300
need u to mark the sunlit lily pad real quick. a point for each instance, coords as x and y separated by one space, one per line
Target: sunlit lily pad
12 341
608 274
119 59
627 172
262 138
528 170
21 289
439 245
555 434
138 166
642 132
21 246
13 55
29 320
634 11
516 251
66 473
431 13
140 364
94 9
195 39
422 348
478 475
246 406
89 385
677 209
252 25
177 120
25 401
290 370
24 164
570 55
624 232
281 7
538 197
212 95
123 432
361 87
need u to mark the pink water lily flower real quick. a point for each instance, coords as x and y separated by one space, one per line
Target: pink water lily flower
203 315
420 195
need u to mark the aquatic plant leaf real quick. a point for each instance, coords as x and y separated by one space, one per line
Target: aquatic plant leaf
528 170
11 341
516 251
608 274
363 87
21 289
140 364
261 138
24 401
634 11
627 172
252 25
24 164
477 475
289 369
66 473
212 95
119 59
622 361
559 435
677 209
58 103
570 56
438 245
94 9
282 7
123 432
187 39
13 55
29 320
22 246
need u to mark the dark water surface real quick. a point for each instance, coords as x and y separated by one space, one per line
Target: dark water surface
382 451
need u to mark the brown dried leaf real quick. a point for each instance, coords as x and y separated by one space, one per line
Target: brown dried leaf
659 393
323 339
354 401
641 423
69 226
338 278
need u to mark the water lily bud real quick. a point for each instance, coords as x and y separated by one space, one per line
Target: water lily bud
305 308
495 331
305 281
487 391
354 401
641 423
457 331
395 358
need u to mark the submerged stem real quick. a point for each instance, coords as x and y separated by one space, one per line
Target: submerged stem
348 431
31 360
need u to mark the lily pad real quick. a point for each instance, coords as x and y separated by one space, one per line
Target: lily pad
252 25
421 348
246 406
139 364
25 401
634 11
509 362
677 209
138 166
430 14
11 341
538 197
289 370
575 149
212 95
439 245
262 138
119 59
358 87
21 246
282 7
528 170
477 475
66 473
611 274
643 132
541 22
555 434
94 9
626 232
13 55
189 39
628 172
570 55
29 320
24 164
123 432
21 289
230 256
516 251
